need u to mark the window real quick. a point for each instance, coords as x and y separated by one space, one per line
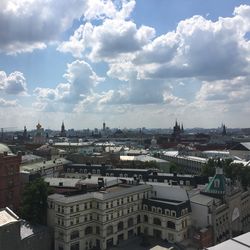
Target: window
109 230
71 209
75 246
159 210
173 213
216 183
157 221
77 208
145 218
74 235
120 226
171 224
88 230
130 222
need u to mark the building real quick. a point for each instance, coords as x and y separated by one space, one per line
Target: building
189 164
18 234
63 131
241 242
9 178
241 150
31 170
39 135
221 208
112 214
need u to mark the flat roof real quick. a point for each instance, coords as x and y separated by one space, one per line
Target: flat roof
44 164
116 191
203 199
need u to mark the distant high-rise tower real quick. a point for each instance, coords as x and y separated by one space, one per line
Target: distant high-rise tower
63 132
25 133
104 126
224 131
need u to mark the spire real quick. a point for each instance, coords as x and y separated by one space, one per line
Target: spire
63 132
25 132
224 131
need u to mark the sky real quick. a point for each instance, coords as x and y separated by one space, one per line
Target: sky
130 63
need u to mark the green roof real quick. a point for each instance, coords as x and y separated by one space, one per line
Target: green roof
217 185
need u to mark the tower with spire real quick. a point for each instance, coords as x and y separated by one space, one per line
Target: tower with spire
63 132
224 130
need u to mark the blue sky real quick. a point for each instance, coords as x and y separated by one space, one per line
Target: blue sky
129 63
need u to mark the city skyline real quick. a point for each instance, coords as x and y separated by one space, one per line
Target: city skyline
129 63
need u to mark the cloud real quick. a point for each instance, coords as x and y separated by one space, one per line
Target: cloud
102 9
116 37
31 24
233 91
13 84
6 103
112 38
199 48
81 79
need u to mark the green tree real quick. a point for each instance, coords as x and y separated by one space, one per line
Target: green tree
34 202
174 168
209 168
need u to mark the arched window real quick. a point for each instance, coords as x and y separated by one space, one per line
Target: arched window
145 218
171 225
74 235
130 222
109 230
88 230
157 221
120 226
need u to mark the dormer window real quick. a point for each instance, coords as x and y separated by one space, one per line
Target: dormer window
217 183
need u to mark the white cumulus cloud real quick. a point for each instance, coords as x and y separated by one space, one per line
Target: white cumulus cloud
13 84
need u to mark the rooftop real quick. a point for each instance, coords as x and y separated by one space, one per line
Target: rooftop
4 148
203 199
7 216
117 191
241 242
36 166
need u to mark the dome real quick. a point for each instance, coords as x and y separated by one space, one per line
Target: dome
4 148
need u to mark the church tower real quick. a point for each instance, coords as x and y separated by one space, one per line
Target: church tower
63 132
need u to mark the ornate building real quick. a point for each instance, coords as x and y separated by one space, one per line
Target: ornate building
39 135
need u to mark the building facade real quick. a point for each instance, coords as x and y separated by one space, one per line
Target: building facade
104 218
10 180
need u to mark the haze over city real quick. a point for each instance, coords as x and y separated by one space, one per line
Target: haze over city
128 63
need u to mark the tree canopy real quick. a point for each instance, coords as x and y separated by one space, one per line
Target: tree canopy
234 171
34 202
